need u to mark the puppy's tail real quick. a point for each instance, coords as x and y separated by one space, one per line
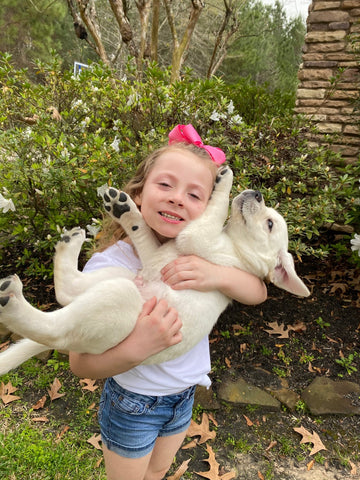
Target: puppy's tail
18 353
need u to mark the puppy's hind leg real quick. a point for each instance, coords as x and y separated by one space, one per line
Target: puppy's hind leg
67 278
18 353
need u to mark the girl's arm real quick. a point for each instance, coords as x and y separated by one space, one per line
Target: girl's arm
157 328
195 273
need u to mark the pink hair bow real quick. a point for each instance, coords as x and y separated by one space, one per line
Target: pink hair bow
188 134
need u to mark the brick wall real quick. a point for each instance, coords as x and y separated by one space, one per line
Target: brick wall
327 49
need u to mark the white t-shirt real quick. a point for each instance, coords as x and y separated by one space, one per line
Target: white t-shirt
166 378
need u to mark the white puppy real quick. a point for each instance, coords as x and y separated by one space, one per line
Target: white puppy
103 306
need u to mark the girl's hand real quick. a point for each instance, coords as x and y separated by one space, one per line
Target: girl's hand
195 273
158 327
191 272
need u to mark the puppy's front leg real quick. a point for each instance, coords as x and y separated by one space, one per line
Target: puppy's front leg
210 224
123 210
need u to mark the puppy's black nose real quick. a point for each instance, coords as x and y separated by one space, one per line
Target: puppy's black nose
258 196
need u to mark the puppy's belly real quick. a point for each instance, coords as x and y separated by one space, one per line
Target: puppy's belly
154 289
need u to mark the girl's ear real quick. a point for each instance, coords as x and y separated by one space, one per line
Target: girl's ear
138 199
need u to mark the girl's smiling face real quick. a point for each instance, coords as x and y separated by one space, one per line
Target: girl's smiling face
176 192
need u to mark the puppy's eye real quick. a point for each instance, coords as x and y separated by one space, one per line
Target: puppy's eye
270 224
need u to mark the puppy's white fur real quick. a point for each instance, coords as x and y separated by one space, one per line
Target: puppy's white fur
102 306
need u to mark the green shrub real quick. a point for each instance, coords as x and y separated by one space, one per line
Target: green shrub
65 136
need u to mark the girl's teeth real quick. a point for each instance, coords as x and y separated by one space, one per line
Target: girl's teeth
167 215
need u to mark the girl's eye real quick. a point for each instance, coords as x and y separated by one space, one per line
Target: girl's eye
164 184
193 195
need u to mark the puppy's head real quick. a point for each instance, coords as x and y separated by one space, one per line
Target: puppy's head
258 225
259 234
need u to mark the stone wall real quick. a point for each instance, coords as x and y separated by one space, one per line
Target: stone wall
325 94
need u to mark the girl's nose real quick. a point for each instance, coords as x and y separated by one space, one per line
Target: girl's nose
176 199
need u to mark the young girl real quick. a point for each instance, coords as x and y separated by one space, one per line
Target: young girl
145 410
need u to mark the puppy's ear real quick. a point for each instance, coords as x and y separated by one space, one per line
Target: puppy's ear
285 277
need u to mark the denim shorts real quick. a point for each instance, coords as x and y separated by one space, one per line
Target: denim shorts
131 422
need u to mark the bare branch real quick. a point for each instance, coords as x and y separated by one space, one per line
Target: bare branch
219 51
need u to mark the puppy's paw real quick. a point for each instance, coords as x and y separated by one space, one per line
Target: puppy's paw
71 239
10 289
116 202
224 178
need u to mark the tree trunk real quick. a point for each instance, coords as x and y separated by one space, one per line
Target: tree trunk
179 49
143 7
155 30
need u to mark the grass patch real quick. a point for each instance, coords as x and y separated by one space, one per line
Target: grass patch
56 448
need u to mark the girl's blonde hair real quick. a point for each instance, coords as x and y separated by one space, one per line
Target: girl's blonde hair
113 231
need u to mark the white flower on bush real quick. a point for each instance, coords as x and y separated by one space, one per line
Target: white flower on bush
27 132
237 119
76 103
102 189
133 99
94 228
6 205
355 243
65 153
215 116
115 144
231 108
85 123
116 123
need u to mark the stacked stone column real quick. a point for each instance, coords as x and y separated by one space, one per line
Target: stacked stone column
330 76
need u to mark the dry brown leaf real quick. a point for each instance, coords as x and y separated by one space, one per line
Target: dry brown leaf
63 431
201 430
353 468
191 444
314 369
180 471
338 286
311 438
261 476
89 384
213 419
40 403
243 347
276 329
95 441
54 390
310 465
6 393
271 445
228 363
332 340
213 473
299 327
249 423
40 419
